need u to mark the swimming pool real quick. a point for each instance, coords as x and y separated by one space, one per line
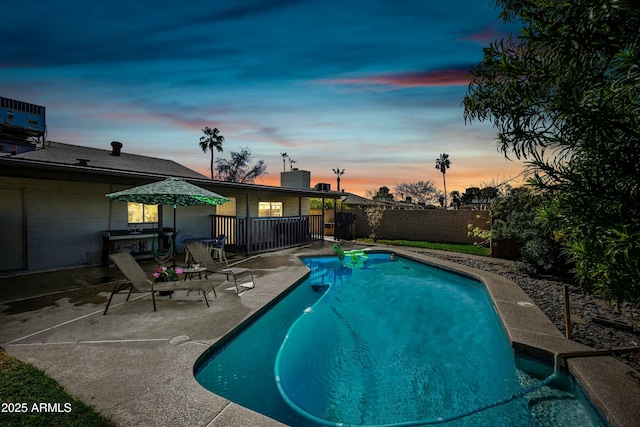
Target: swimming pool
391 343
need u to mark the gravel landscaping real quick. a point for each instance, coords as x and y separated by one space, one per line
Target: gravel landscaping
587 312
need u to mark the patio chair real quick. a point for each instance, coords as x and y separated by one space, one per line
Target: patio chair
137 279
242 277
217 247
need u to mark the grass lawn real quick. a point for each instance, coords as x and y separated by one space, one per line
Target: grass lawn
466 249
30 398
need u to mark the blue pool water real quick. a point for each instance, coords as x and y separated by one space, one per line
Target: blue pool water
393 342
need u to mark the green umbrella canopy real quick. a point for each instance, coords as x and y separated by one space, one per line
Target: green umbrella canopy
171 191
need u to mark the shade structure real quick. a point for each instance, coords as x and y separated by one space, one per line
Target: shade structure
171 191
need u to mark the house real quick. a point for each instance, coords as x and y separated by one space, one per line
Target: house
54 212
358 202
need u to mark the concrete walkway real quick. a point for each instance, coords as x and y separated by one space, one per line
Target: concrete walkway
135 365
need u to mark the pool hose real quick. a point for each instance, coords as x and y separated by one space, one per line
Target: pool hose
157 254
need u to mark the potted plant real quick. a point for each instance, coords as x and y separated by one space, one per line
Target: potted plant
164 274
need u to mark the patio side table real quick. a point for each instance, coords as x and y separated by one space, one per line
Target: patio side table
189 273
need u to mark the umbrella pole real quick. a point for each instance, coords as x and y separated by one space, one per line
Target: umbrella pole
174 236
160 226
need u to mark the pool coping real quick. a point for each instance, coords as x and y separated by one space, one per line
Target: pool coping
612 386
136 365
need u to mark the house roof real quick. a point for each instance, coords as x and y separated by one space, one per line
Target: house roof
60 161
76 155
354 199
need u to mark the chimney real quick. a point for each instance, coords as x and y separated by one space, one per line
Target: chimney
116 147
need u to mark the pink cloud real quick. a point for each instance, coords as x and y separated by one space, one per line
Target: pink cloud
484 36
446 77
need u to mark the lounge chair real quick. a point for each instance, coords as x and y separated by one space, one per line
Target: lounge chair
137 279
242 277
199 254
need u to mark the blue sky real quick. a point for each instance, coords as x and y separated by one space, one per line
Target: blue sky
372 87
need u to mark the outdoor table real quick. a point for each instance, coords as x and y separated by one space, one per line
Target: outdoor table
190 272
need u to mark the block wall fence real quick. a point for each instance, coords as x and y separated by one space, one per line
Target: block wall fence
432 225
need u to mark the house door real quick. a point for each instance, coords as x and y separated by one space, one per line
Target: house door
344 225
12 249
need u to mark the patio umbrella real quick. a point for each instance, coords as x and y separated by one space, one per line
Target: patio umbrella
171 191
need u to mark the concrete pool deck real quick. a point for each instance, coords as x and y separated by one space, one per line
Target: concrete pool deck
135 365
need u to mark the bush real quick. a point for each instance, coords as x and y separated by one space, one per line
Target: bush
520 216
374 218
540 255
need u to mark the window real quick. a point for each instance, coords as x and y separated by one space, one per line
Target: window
270 209
139 213
228 208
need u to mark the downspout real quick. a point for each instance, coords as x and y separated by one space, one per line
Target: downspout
322 221
335 220
248 225
110 209
301 234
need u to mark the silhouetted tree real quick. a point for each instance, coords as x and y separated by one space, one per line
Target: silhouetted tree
420 191
338 172
383 193
238 169
211 139
443 163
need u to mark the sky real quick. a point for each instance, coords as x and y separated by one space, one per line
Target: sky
371 87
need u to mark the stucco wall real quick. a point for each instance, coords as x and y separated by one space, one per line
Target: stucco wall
432 225
64 221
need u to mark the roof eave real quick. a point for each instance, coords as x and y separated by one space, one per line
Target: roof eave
16 167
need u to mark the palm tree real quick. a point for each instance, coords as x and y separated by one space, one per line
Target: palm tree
291 162
338 172
284 163
211 140
443 163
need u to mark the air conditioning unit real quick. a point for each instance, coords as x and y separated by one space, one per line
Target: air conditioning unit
21 118
322 186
